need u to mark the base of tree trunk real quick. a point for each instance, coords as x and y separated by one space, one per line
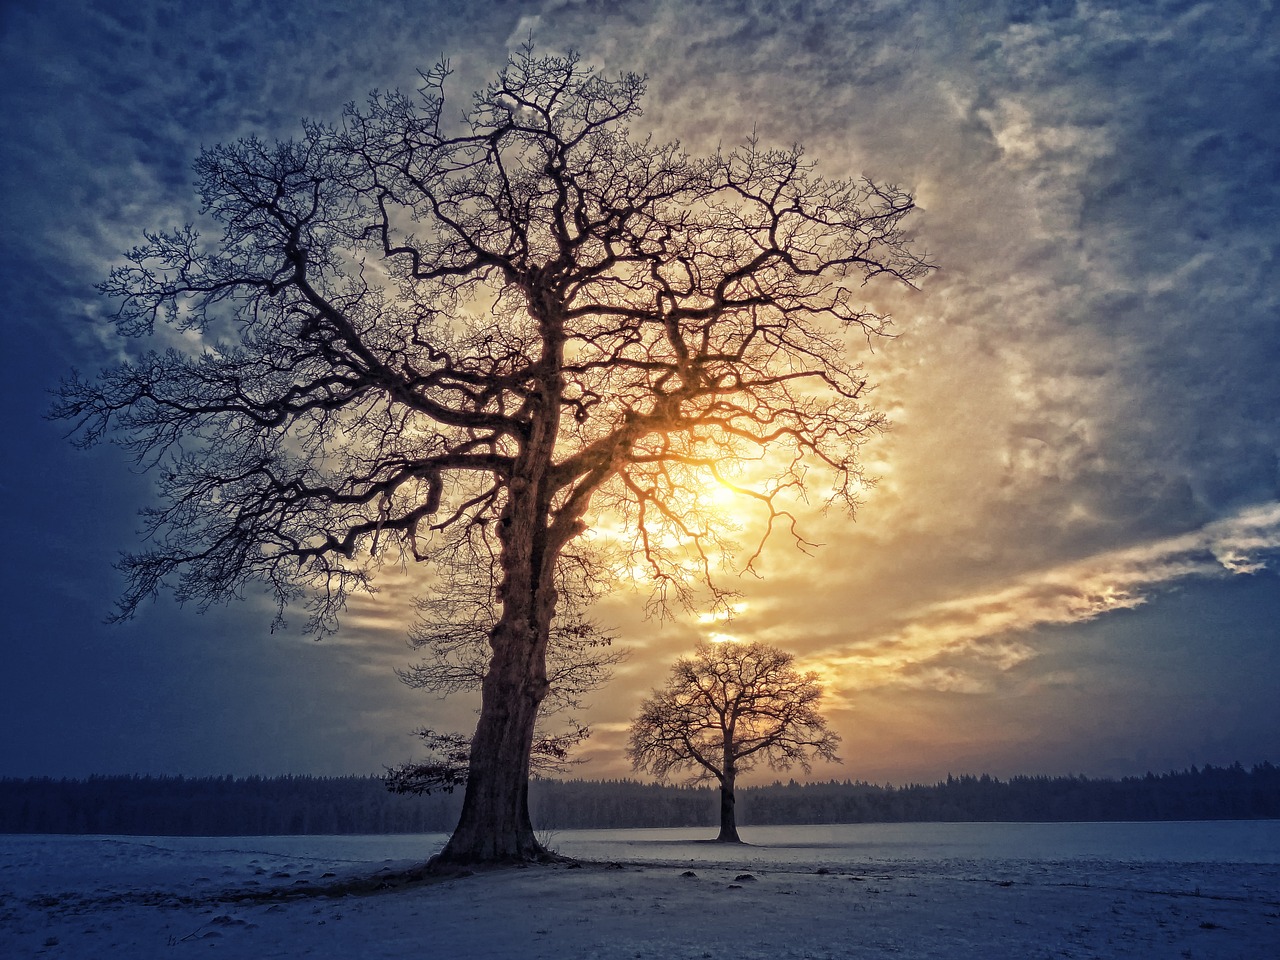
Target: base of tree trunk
453 864
485 851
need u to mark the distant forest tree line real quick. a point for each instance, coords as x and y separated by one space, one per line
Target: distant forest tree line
227 806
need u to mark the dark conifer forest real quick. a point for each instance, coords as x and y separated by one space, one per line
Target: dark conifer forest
227 806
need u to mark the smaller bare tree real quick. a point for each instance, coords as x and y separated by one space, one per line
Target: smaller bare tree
723 710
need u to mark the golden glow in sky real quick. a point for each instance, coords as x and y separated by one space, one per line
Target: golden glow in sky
1068 563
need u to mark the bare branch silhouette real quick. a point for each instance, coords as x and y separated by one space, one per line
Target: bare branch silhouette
420 339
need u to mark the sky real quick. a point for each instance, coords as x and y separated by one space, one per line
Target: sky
1071 560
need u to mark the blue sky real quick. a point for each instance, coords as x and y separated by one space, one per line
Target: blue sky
1070 561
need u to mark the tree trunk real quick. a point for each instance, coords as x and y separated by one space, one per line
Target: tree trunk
728 818
494 826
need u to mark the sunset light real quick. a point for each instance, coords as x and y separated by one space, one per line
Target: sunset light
934 347
423 417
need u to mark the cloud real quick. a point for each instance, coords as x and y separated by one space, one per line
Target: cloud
966 644
1084 393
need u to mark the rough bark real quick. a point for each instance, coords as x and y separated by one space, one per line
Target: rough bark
494 825
728 815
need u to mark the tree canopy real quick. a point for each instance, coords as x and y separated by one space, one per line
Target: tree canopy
466 343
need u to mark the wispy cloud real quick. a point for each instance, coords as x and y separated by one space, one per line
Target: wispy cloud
1084 393
965 644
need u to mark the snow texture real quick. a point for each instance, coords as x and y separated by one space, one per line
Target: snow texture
866 891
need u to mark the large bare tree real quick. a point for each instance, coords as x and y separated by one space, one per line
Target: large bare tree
726 708
420 337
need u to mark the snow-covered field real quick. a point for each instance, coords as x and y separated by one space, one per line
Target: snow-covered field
1195 890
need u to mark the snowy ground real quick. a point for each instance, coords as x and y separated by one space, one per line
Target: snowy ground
861 892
